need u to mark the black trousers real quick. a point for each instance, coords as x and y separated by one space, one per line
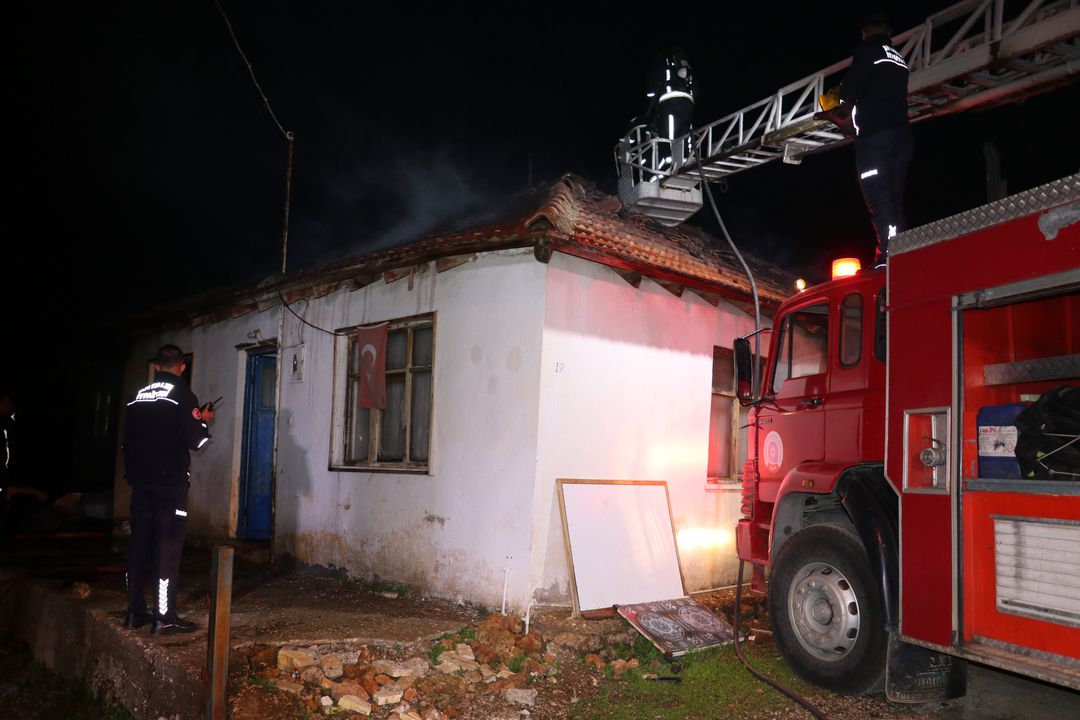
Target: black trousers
882 160
158 525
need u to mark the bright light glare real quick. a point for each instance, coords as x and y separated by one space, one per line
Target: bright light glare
800 284
845 267
705 538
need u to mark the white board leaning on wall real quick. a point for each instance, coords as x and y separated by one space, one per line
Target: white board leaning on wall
620 542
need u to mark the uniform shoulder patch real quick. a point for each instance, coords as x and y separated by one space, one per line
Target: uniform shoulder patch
196 413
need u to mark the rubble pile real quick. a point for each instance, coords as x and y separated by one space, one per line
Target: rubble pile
496 658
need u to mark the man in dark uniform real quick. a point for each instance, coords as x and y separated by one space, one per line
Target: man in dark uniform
671 104
164 423
874 91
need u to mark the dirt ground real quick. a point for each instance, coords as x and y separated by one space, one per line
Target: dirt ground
576 667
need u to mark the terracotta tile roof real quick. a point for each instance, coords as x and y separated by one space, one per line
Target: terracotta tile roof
569 217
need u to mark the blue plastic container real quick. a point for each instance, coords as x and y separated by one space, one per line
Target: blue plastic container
997 440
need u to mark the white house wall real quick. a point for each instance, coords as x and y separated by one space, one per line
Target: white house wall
217 371
455 531
625 395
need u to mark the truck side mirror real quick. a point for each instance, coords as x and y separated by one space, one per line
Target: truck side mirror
744 370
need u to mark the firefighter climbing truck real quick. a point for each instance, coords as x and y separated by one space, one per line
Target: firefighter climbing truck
881 493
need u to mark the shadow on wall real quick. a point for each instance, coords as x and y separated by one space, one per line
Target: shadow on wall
294 487
591 300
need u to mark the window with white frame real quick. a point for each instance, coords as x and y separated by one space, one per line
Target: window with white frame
727 421
397 437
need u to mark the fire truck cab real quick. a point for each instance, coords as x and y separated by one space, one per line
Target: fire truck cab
880 492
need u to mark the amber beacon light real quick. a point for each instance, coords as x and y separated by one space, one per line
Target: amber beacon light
845 267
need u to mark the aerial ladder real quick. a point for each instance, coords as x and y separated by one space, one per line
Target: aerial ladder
974 54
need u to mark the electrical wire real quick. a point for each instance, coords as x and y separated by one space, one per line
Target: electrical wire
757 346
757 673
251 71
311 325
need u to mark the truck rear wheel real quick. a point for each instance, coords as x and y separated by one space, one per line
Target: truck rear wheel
826 610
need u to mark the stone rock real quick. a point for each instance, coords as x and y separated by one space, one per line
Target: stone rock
521 697
262 656
499 622
532 667
340 690
504 673
383 679
487 672
464 651
515 680
485 653
80 590
326 701
411 715
389 667
326 684
292 659
331 666
368 681
417 666
441 690
499 634
364 655
410 695
472 677
531 644
595 660
288 686
387 695
312 675
353 671
354 704
431 714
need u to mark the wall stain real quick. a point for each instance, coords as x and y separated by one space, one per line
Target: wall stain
513 359
435 519
404 556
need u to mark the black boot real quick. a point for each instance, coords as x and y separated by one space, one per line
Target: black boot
136 619
171 626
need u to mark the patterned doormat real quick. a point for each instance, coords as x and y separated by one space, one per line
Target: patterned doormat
678 626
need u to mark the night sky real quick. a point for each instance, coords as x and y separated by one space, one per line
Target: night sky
145 166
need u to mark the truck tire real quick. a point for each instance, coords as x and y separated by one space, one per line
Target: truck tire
826 610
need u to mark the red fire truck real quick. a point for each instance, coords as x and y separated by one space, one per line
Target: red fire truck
898 538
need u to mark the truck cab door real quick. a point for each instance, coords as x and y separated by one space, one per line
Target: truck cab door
792 417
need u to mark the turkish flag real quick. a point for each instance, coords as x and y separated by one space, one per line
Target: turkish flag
371 344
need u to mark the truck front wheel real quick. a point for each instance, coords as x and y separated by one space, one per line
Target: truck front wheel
826 610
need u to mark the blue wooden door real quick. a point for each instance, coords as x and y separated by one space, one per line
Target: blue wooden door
257 464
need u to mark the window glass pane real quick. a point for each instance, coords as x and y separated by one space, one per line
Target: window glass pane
421 349
744 438
392 431
879 327
720 436
723 370
396 349
781 373
809 340
357 440
851 329
420 418
266 385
